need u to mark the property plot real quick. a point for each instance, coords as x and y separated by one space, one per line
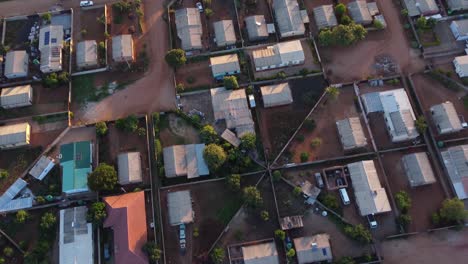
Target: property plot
195 75
17 32
222 10
446 42
258 25
15 162
176 131
310 5
199 101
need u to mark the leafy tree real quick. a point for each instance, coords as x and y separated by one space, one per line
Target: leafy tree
230 82
101 19
405 220
421 124
48 221
378 24
252 197
8 251
4 174
104 177
209 12
180 88
403 201
50 80
248 141
431 23
97 213
2 260
340 9
176 58
63 77
453 210
280 234
218 255
326 38
47 17
141 131
291 253
215 156
40 199
265 215
208 134
128 124
276 175
346 20
297 191
421 22
304 156
233 182
358 233
404 12
122 6
330 201
316 142
152 251
101 128
21 216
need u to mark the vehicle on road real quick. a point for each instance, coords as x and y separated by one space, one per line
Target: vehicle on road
182 231
372 221
199 6
86 3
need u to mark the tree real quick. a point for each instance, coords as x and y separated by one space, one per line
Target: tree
304 156
230 82
421 22
252 197
176 58
215 156
453 210
101 19
330 201
104 177
405 220
141 131
101 128
378 24
421 124
248 141
431 23
40 199
180 88
128 124
97 213
4 174
316 142
50 81
265 215
403 201
346 20
208 134
21 216
47 17
233 182
209 12
291 253
218 255
404 12
358 31
63 77
2 260
276 175
152 251
340 9
280 234
48 221
326 38
8 251
358 233
297 191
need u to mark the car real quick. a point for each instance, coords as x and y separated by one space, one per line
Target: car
319 180
86 3
199 6
106 251
182 231
372 222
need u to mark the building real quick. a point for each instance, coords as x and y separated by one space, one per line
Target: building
371 197
189 28
325 16
76 244
456 5
50 46
291 222
456 163
418 169
179 205
225 65
276 95
256 27
76 161
310 192
185 160
16 64
264 253
289 18
461 65
122 48
231 137
459 29
421 7
224 33
445 118
398 113
279 55
18 96
313 249
359 12
42 167
86 54
129 165
126 216
351 133
231 106
8 200
14 136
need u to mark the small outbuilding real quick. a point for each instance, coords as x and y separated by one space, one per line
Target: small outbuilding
445 118
231 137
459 29
224 33
122 48
18 96
461 66
180 208
418 169
14 136
291 222
224 65
129 165
42 167
313 249
359 12
325 16
256 27
456 162
86 54
264 253
351 133
16 64
276 95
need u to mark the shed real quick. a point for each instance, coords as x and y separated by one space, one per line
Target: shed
18 96
256 27
313 249
224 33
421 7
351 133
288 18
456 162
86 54
418 169
16 64
129 164
13 136
230 137
359 12
445 118
185 160
325 16
189 28
224 65
291 222
180 208
276 95
264 253
455 5
42 167
12 192
461 65
122 48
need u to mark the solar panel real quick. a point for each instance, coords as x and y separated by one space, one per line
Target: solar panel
53 40
47 38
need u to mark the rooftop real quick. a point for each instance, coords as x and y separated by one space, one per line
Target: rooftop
129 165
264 253
445 118
288 17
313 248
185 160
325 16
180 207
76 160
224 33
351 133
276 95
456 163
189 28
418 169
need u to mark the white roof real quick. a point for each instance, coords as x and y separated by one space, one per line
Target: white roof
189 28
264 253
224 33
351 133
281 53
456 162
76 237
325 16
276 95
418 169
256 27
122 48
50 36
224 64
51 59
185 160
288 18
313 249
86 53
16 96
17 204
129 165
180 207
461 62
14 134
230 137
16 64
370 196
359 12
446 118
421 7
42 167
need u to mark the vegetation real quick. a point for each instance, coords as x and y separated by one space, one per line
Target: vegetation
330 201
316 142
233 182
342 35
405 220
230 82
280 234
252 197
248 141
176 58
48 221
152 251
47 17
346 20
304 156
4 174
53 80
453 210
208 134
309 125
215 156
358 233
8 251
97 213
209 12
21 216
333 91
421 124
128 124
265 215
377 24
218 255
297 191
104 177
276 175
101 129
403 201
340 9
291 253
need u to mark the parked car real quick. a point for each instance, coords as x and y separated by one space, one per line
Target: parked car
199 6
182 231
86 3
106 251
319 180
371 220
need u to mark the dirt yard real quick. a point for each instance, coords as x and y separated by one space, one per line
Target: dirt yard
222 10
261 8
87 25
200 101
15 161
196 75
176 131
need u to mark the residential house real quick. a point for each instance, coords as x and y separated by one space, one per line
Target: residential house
50 46
421 7
276 95
461 65
179 205
14 136
351 133
185 160
445 118
86 54
256 27
189 28
263 253
76 161
418 169
129 165
279 55
313 249
224 33
225 65
457 5
359 12
459 29
288 18
42 167
122 48
18 96
456 162
9 201
325 16
16 64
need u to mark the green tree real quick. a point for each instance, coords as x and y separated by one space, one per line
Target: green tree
50 80
453 210
48 221
405 220
4 174
280 234
403 201
404 12
326 38
97 213
218 255
104 177
40 199
252 197
152 251
330 201
233 182
21 216
230 82
340 9
265 215
297 191
431 23
47 17
208 134
209 12
101 129
63 77
276 175
304 156
248 141
128 124
343 35
8 251
176 58
358 233
291 253
206 3
421 22
141 132
2 260
378 24
359 31
346 20
101 19
421 124
215 156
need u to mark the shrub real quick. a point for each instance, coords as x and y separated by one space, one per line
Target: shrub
309 125
297 191
453 210
248 141
330 201
291 253
128 124
252 197
316 142
47 17
346 20
333 91
404 220
196 232
378 24
152 251
276 175
214 156
48 221
21 216
340 9
404 12
403 201
358 233
180 88
141 132
83 32
209 12
8 251
281 75
304 156
208 134
4 174
176 58
233 182
264 215
218 255
230 82
104 177
40 200
97 213
101 128
421 124
280 234
435 218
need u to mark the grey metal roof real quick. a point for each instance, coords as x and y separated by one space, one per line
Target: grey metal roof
462 26
279 54
16 64
291 222
276 95
17 204
14 134
12 191
264 253
445 117
122 48
180 207
313 249
325 16
288 18
129 165
189 28
225 33
456 163
16 96
457 4
421 7
359 12
42 167
256 27
418 169
185 160
351 133
224 64
86 53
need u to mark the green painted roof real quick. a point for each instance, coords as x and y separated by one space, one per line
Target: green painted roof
76 160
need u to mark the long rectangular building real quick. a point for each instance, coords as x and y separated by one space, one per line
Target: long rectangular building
13 136
456 163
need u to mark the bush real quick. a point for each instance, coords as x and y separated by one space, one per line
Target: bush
103 178
48 221
4 174
309 125
297 191
333 91
280 234
453 210
152 251
101 128
340 9
128 124
435 218
21 216
180 88
209 12
316 142
265 215
330 201
304 156
281 75
40 200
291 253
141 132
378 24
300 138
218 255
404 220
97 213
403 201
176 58
248 141
233 182
47 17
252 197
230 82
83 32
346 20
208 134
214 156
421 124
8 252
276 175
358 233
196 232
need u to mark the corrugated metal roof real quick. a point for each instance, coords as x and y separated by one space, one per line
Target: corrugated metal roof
291 222
280 54
12 191
288 18
351 133
86 53
225 64
180 207
42 167
446 118
16 96
76 161
122 48
50 36
189 28
421 7
230 137
325 16
457 4
129 167
264 253
185 160
313 248
17 134
16 64
456 162
51 59
256 27
276 95
17 204
359 12
418 169
224 33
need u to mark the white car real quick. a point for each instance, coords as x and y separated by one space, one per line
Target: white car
86 3
199 6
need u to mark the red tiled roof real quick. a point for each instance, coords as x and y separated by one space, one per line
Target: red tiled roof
126 215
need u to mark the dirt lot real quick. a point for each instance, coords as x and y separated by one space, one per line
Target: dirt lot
17 32
176 131
447 41
261 8
15 161
425 199
200 101
325 117
279 123
196 75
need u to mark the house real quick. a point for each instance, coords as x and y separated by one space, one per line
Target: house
263 253
456 163
16 64
8 200
18 96
224 65
50 46
310 192
456 5
421 7
351 133
291 222
313 249
14 136
459 29
122 48
129 165
359 12
126 216
276 95
288 18
371 197
86 54
445 118
231 106
325 16
185 160
461 66
373 8
179 205
256 27
224 33
418 169
398 113
76 161
42 167
279 55
76 244
189 28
